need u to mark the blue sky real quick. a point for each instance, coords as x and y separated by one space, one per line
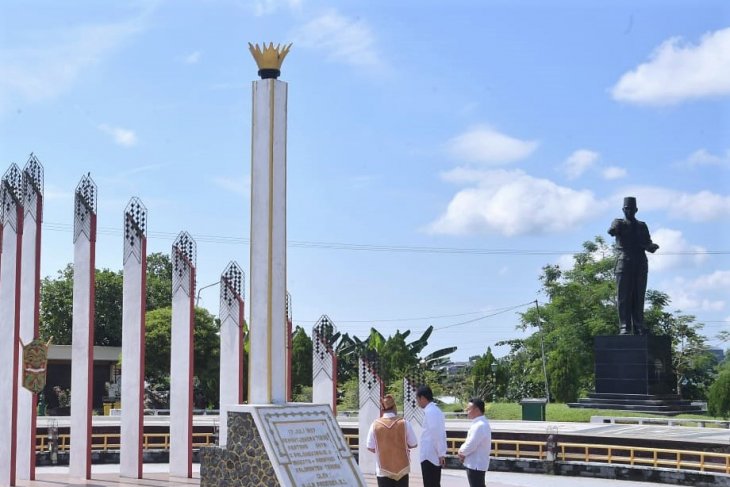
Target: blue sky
416 130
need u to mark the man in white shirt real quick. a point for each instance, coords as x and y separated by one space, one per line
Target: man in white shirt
391 438
474 452
433 438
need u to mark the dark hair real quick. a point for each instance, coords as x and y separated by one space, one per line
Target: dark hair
425 391
478 403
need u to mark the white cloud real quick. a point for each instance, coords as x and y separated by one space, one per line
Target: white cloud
513 203
485 145
702 157
239 185
697 207
350 41
193 57
613 172
704 293
121 136
579 162
49 63
678 71
267 7
674 251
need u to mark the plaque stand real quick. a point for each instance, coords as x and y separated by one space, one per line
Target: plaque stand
293 445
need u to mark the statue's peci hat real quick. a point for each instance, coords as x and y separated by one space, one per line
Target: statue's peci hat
630 202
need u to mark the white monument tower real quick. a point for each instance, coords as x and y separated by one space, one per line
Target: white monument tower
268 230
82 344
11 198
30 287
134 298
184 251
232 332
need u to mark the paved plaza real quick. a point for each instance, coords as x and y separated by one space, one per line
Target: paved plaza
155 475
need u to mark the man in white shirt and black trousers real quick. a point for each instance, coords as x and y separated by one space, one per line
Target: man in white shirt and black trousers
433 438
474 452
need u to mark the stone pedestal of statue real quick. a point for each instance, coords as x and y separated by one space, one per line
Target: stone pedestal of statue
634 372
633 364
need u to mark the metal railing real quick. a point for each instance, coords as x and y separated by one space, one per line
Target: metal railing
112 441
709 462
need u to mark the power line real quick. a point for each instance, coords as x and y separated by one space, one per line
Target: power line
230 240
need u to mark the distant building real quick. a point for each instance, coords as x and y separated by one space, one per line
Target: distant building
106 370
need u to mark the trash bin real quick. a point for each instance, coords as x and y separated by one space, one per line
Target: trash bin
533 409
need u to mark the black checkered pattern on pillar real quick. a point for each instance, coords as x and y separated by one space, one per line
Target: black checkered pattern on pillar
11 196
322 334
184 255
411 410
135 229
33 188
370 384
232 291
84 207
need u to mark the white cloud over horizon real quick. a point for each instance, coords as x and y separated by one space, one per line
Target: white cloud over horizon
703 157
485 145
50 62
611 173
268 7
702 206
674 251
236 185
120 136
512 203
702 293
579 162
193 58
679 71
345 40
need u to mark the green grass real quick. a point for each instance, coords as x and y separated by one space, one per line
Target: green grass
561 412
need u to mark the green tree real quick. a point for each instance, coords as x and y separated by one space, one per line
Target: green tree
159 281
396 356
718 397
301 360
206 352
56 310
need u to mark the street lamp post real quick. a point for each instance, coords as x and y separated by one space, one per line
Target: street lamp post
197 298
494 381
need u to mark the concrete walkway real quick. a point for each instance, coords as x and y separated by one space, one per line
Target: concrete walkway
155 475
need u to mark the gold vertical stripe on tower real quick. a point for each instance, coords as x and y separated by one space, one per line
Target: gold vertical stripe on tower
270 290
250 247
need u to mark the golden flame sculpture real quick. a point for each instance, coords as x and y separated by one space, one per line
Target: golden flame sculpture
269 59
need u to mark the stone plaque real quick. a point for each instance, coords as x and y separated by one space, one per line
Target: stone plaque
304 443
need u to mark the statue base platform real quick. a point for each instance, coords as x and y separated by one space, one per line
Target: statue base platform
292 445
634 373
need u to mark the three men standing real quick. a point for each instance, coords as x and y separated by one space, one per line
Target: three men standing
474 452
433 438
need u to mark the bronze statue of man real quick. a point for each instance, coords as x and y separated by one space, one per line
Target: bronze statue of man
632 240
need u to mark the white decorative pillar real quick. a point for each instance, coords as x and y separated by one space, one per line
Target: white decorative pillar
324 364
82 342
181 356
370 392
412 412
11 198
134 301
30 285
268 325
232 332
